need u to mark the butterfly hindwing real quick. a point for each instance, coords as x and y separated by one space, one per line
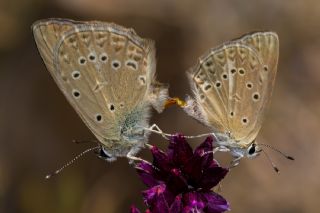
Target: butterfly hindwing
267 46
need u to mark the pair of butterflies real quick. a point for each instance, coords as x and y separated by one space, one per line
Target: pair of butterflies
107 73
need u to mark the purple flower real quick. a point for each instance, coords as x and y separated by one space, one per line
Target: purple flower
134 209
180 180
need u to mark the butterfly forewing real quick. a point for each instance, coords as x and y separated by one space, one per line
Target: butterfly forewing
233 84
47 34
96 64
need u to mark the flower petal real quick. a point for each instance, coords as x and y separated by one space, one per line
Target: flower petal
202 159
176 206
215 203
181 180
211 177
204 147
176 182
193 170
147 174
179 151
203 170
204 151
160 160
134 209
193 202
158 198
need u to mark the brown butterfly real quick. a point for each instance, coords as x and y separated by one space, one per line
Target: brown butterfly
107 73
232 86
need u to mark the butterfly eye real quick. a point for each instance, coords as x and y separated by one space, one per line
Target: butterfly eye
252 149
103 154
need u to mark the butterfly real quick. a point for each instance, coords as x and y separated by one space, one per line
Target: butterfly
232 86
107 73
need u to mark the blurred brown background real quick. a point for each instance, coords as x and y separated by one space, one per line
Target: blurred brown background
37 124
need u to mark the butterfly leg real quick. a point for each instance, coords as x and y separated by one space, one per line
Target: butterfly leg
149 146
221 149
235 162
133 158
217 149
155 129
200 136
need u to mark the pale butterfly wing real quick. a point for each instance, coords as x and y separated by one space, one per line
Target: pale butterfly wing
47 34
267 46
232 87
106 72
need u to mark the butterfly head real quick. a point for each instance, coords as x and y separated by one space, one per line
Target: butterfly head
103 154
253 150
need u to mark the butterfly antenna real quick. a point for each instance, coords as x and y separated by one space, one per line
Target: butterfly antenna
274 149
71 161
270 161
